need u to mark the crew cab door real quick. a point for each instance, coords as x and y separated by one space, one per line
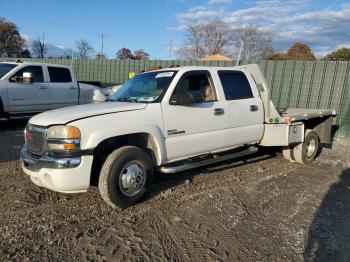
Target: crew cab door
63 87
28 97
196 128
245 114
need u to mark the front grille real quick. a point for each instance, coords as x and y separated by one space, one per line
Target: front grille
36 140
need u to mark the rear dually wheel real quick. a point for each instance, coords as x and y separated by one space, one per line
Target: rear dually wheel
307 151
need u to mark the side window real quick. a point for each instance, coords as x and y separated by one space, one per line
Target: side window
235 85
59 74
198 82
36 71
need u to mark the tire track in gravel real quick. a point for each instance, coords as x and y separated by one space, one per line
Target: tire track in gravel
225 212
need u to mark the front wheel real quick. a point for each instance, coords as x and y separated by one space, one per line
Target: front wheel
306 152
125 176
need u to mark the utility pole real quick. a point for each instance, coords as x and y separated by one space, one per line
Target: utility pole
171 49
43 47
101 57
72 56
240 53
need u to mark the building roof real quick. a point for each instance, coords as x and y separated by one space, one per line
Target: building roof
216 57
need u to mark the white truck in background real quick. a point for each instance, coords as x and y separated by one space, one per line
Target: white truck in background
168 120
29 88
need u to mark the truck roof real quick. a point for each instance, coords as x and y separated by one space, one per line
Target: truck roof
33 63
179 68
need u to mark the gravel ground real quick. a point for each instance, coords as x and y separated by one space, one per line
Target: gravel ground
261 208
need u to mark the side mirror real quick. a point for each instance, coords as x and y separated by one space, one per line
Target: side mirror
187 98
27 78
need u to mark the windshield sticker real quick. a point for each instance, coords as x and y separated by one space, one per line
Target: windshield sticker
164 74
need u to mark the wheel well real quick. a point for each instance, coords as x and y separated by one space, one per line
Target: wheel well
322 126
143 140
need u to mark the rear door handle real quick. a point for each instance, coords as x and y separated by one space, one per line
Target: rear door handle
219 111
73 87
254 108
42 87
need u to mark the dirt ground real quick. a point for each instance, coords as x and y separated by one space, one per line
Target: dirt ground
261 208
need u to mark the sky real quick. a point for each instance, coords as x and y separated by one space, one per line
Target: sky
153 24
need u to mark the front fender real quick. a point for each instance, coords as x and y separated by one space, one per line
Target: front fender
94 130
156 135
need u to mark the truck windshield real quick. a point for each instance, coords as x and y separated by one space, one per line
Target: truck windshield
5 68
145 88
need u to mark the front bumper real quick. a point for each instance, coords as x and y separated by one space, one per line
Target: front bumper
35 164
67 175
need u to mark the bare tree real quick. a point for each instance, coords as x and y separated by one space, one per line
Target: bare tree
256 43
39 48
84 47
204 39
124 53
193 47
218 37
141 55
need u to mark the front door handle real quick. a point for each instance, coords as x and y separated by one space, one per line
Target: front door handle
73 87
219 111
42 87
254 108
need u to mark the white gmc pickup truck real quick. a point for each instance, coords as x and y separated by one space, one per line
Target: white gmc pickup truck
28 88
168 120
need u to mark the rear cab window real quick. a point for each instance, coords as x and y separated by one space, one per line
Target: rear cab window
59 74
235 84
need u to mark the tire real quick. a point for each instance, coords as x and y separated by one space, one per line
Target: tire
306 152
2 113
288 153
121 169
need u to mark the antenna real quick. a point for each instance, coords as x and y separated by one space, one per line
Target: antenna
239 55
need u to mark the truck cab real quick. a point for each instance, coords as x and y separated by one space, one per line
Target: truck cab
29 88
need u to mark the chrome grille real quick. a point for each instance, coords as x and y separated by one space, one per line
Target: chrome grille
35 138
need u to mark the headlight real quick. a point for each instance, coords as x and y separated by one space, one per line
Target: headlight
63 132
63 139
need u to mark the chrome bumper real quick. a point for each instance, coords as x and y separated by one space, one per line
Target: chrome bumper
35 164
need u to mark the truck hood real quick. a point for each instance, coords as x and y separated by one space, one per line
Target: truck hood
69 114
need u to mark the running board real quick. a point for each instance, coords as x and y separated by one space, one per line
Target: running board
215 159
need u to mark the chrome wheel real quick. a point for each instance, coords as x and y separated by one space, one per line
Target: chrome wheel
132 178
310 147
